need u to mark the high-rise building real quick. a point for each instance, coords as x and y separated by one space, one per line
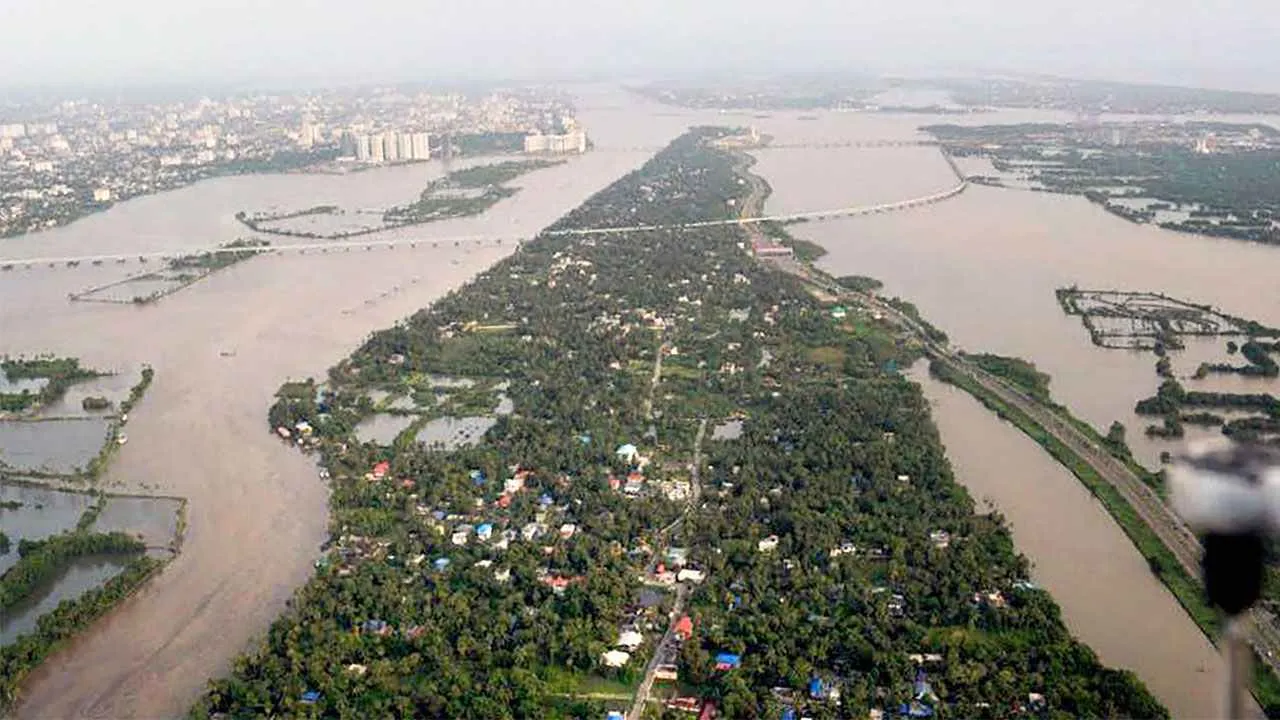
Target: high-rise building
404 146
390 150
570 142
306 134
377 148
362 147
421 144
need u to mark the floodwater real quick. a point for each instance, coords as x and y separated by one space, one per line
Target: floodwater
52 446
42 512
382 428
983 266
256 514
452 433
20 385
154 519
82 575
113 387
1109 598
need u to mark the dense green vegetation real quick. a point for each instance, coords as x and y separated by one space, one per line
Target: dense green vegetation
1234 194
836 454
95 402
1171 397
228 255
910 310
1258 357
439 200
60 374
491 143
481 176
4 543
860 283
63 623
43 560
1017 371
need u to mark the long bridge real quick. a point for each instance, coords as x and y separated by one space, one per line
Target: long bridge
814 145
471 240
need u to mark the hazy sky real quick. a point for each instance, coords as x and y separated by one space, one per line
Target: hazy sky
1224 42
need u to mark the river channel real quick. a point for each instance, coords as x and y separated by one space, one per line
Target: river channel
982 266
257 511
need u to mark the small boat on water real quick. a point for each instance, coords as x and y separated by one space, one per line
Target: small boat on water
122 439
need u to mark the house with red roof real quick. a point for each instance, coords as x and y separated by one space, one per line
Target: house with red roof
684 627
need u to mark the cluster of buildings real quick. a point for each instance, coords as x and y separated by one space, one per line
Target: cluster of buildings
391 147
61 160
574 141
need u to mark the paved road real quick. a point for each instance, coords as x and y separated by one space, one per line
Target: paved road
662 654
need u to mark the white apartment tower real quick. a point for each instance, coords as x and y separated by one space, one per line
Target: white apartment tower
421 145
404 146
377 145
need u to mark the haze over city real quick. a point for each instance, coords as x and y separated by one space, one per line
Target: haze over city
640 360
327 41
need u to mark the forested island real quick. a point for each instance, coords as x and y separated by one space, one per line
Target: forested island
462 193
825 559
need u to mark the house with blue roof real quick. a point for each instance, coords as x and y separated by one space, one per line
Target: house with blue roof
728 661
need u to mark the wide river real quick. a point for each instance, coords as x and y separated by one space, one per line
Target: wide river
982 266
257 511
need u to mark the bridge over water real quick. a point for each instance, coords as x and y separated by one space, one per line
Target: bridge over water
463 241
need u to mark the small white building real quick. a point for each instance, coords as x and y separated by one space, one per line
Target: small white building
630 639
693 576
768 544
616 658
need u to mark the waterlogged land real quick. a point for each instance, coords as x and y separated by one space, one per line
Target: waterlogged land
220 349
1209 178
1004 254
462 193
814 564
177 273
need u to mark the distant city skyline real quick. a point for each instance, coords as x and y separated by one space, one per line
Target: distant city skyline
82 43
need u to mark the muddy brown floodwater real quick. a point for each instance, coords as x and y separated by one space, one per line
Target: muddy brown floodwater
1109 598
257 511
982 266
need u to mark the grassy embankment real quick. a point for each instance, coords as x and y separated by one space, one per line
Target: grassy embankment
1162 561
